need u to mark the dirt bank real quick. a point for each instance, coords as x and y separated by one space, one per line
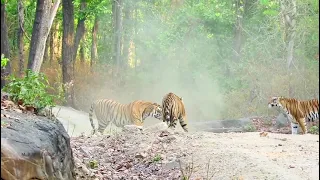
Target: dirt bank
154 153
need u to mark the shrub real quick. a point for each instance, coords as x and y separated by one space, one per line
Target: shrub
30 90
4 61
314 130
249 128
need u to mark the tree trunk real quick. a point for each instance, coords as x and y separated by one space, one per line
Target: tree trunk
80 29
238 29
51 44
4 44
94 50
67 51
289 11
20 37
82 53
56 45
41 28
46 50
117 33
135 37
128 27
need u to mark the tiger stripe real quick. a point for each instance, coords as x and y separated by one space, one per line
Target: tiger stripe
298 112
173 110
107 110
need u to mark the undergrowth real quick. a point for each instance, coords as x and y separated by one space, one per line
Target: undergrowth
31 90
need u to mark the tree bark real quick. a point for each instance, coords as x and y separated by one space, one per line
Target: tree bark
20 37
56 45
51 44
41 28
46 50
82 54
4 44
80 29
117 33
128 28
238 29
94 50
67 51
289 11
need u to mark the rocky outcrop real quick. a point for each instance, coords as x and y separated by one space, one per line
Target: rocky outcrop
34 147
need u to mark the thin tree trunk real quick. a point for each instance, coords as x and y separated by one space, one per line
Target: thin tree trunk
20 37
41 28
117 33
80 29
289 10
135 38
67 50
46 50
51 44
82 54
4 44
94 50
128 26
238 29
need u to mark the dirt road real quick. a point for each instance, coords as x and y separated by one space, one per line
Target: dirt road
229 155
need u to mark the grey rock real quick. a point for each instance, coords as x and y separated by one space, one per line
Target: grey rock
36 147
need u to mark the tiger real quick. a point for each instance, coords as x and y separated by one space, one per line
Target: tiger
298 112
107 110
173 109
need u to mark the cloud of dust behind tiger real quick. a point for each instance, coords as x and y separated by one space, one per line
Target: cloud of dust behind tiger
161 73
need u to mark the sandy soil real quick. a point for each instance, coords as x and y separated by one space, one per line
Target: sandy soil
229 155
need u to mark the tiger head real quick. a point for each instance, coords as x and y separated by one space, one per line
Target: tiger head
275 101
154 110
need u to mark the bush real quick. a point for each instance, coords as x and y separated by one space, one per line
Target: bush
4 61
314 130
30 90
249 128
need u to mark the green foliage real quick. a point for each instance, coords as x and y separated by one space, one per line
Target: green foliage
3 123
4 61
249 128
93 164
314 130
178 44
157 158
31 90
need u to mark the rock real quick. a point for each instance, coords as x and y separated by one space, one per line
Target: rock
281 121
157 127
132 128
35 147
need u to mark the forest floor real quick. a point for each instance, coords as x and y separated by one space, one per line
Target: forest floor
156 152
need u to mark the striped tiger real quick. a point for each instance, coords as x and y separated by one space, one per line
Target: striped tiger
173 110
298 112
136 112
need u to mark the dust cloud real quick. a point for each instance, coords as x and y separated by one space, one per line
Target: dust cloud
199 67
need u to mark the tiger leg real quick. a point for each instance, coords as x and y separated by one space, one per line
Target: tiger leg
173 123
303 125
102 126
183 124
167 117
294 128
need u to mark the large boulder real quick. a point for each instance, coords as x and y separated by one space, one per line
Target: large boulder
34 147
